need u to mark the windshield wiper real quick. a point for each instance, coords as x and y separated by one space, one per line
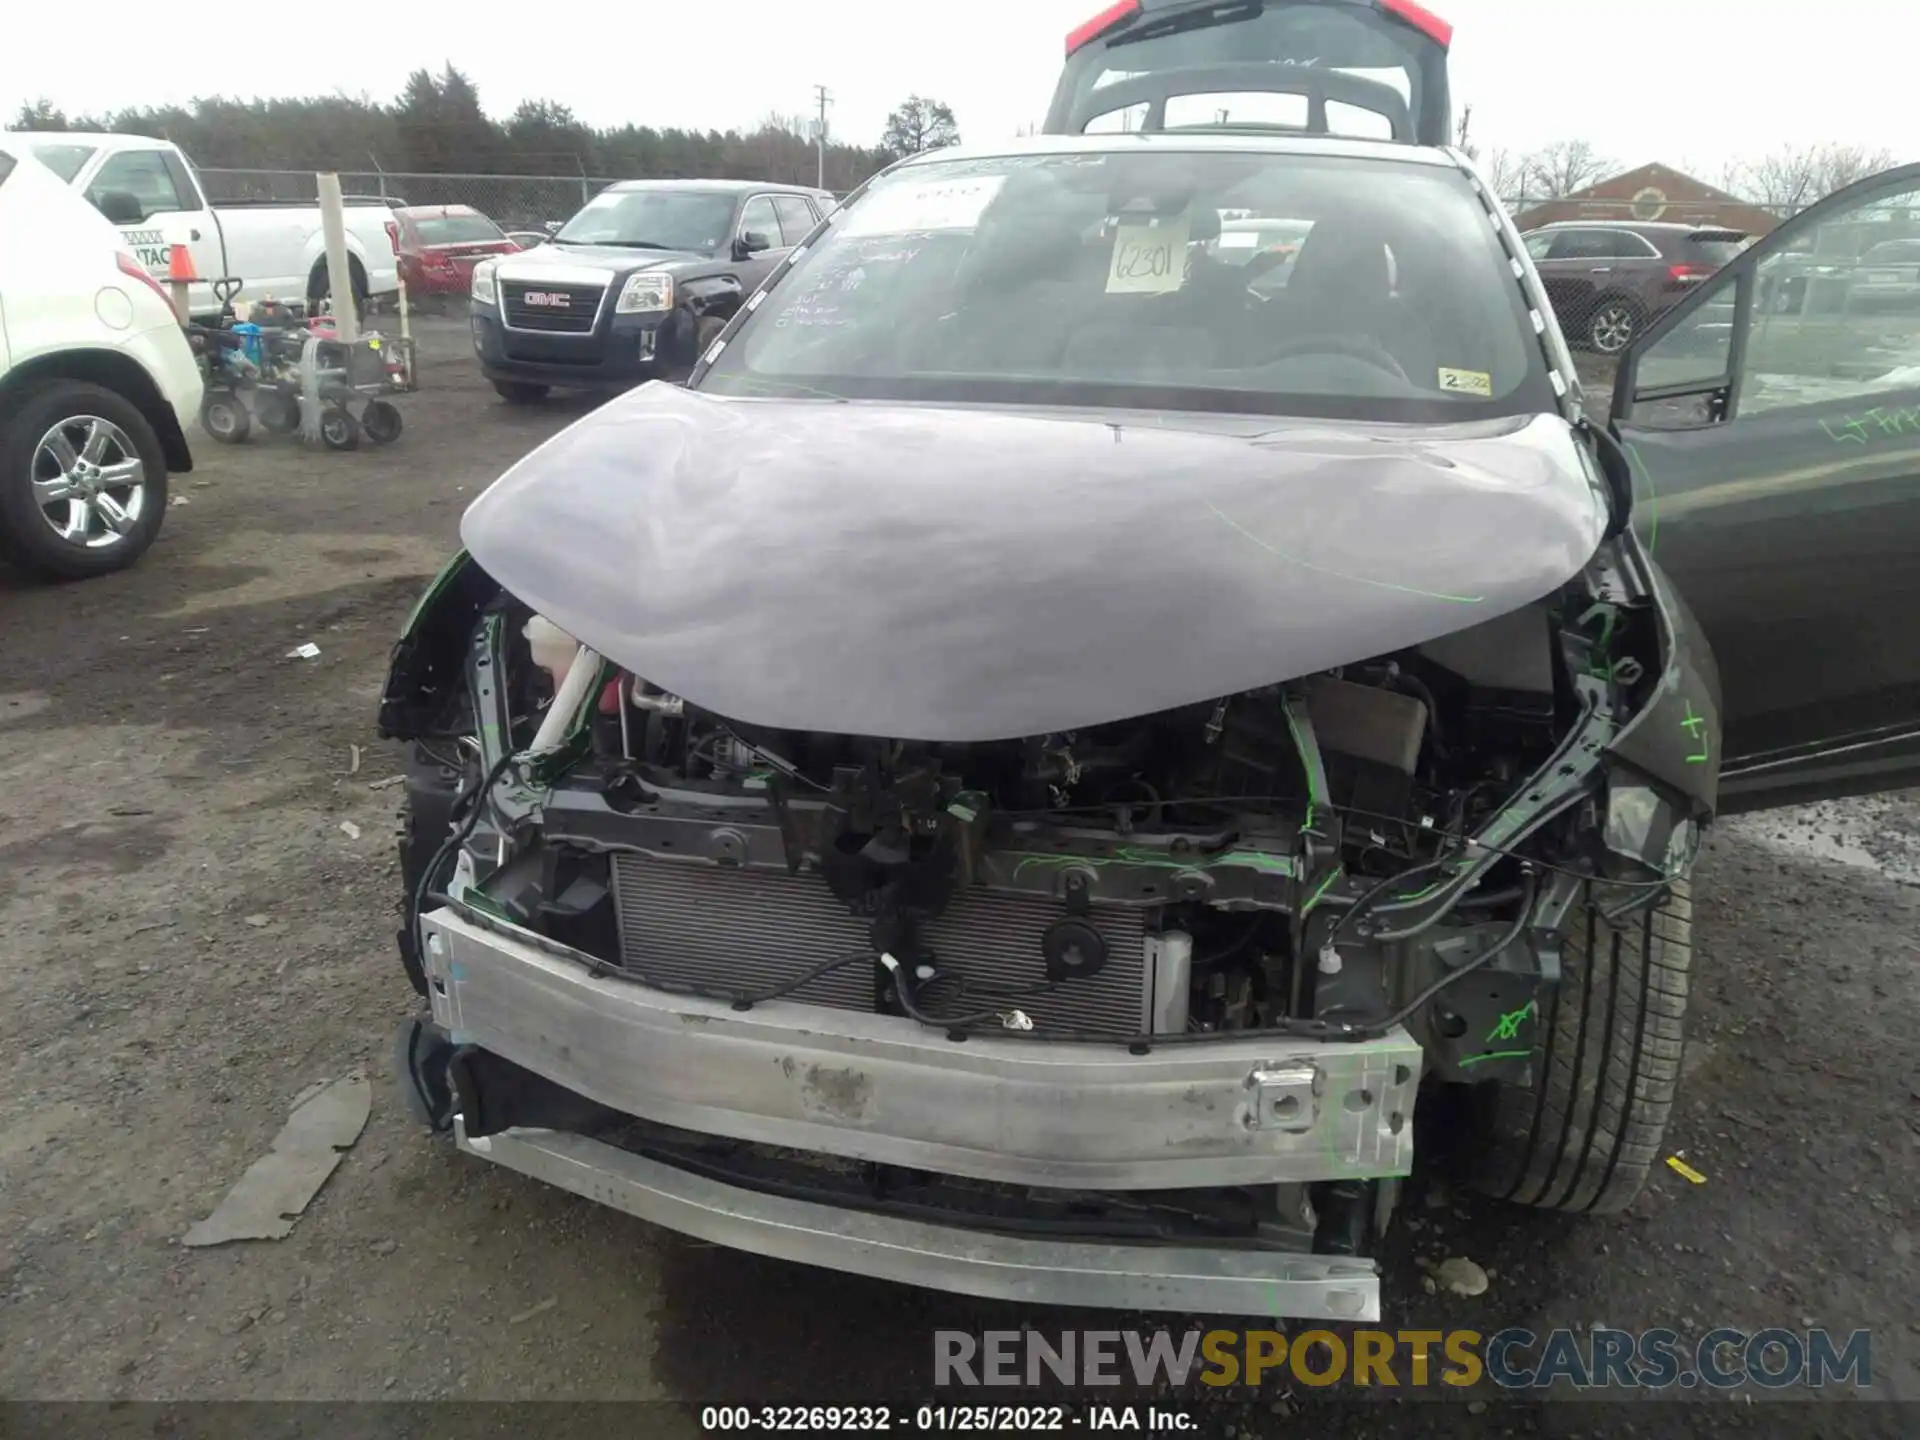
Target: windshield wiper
1182 22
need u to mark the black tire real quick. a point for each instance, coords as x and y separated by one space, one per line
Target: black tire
381 422
27 535
223 415
1587 1135
320 287
277 412
338 429
520 392
704 334
1612 325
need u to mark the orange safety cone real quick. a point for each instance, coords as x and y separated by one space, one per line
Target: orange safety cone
181 275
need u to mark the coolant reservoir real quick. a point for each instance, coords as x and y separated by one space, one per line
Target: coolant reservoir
553 649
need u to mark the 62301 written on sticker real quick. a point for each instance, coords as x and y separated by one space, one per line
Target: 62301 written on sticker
1148 259
1466 382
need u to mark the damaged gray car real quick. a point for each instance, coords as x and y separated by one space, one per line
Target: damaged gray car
1021 776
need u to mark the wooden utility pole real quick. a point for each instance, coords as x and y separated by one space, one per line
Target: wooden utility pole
820 133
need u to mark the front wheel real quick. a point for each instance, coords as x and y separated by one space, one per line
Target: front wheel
83 481
519 392
1613 327
1606 1067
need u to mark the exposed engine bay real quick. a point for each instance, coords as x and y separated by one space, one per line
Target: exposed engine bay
1326 857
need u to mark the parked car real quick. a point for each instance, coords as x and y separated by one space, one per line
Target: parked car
150 190
440 244
99 388
527 239
1608 280
1024 773
1369 68
633 287
1888 274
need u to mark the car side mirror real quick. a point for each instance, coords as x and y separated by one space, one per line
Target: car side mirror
751 242
122 207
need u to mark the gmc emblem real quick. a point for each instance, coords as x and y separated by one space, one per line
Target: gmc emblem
552 299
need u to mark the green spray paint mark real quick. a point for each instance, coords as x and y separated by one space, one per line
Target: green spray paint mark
1273 549
1324 886
1653 496
1876 424
1507 1027
1494 1055
1693 725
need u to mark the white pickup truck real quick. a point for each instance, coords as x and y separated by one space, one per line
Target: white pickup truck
151 192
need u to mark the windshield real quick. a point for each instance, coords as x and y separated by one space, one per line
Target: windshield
453 229
1106 278
1405 68
653 220
64 160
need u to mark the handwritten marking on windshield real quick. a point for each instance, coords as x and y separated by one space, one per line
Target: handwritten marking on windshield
1875 424
1305 564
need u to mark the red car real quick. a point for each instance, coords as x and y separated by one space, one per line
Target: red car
440 244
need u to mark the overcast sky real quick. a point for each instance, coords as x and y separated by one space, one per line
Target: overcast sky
1699 82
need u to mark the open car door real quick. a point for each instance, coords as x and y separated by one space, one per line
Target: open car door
1370 69
1772 422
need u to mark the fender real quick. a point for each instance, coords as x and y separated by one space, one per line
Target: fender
426 674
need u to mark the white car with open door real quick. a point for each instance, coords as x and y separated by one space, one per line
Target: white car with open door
98 385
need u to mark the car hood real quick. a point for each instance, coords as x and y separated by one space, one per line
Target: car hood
561 262
953 573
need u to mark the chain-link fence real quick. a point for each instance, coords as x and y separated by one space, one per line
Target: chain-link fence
513 202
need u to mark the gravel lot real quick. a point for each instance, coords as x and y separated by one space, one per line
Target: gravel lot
189 938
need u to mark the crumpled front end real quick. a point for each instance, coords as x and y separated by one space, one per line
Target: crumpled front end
1133 1012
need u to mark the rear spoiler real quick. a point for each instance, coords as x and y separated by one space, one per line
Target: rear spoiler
1124 12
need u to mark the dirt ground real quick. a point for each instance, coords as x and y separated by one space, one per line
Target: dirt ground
189 938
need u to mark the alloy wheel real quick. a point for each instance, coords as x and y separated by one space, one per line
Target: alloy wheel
1612 328
89 482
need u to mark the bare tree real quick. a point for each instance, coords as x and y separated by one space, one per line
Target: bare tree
1504 171
1562 168
1794 177
919 124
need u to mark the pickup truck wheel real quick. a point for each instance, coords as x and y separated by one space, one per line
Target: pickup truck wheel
519 392
320 287
83 481
1587 1134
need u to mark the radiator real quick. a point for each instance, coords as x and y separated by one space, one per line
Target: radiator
692 923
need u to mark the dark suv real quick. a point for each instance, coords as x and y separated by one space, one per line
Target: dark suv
1608 279
635 286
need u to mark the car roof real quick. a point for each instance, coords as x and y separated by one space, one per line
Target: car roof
98 139
1657 227
730 187
423 211
1239 142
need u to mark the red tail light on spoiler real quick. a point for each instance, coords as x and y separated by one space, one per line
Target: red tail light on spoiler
1418 16
1099 25
1422 19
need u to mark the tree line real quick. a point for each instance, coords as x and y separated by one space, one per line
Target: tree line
436 125
1786 180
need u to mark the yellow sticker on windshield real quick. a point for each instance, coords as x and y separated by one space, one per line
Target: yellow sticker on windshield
1466 382
1148 259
